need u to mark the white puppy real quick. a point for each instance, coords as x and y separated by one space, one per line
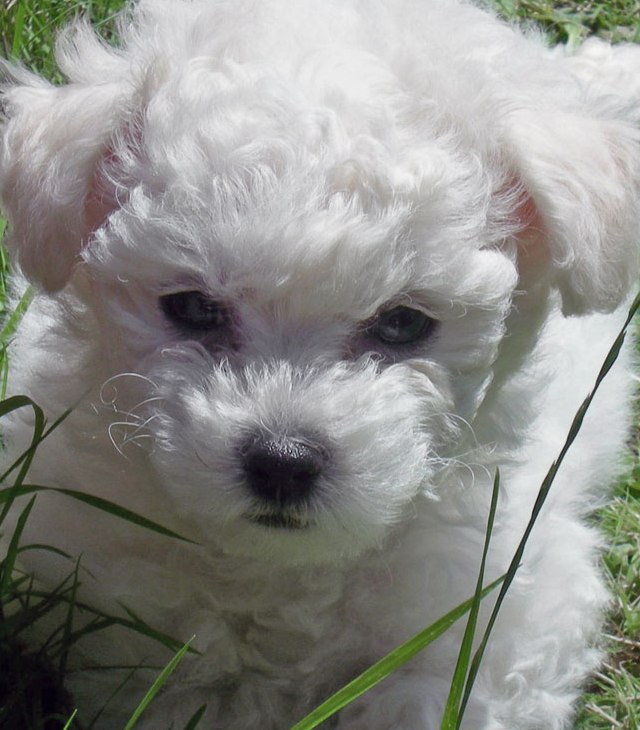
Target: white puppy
307 273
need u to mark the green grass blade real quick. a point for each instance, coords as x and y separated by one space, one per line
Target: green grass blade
18 30
157 685
60 643
4 371
24 461
17 314
67 626
9 328
610 359
46 548
100 621
112 696
104 505
14 403
34 605
39 435
387 665
124 514
69 723
142 627
8 564
195 719
452 717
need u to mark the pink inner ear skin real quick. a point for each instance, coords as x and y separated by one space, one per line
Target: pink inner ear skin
531 232
527 213
100 201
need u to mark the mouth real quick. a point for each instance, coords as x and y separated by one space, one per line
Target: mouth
280 521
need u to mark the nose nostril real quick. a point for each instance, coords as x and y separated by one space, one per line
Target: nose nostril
282 470
305 472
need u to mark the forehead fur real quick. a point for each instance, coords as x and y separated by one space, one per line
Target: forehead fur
287 168
294 236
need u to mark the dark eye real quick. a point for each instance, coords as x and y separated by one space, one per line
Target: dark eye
194 310
400 326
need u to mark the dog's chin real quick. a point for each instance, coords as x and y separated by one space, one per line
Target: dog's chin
292 541
280 521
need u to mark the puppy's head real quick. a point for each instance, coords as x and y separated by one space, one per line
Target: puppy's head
303 258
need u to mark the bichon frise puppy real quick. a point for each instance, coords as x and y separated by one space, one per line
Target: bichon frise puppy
307 273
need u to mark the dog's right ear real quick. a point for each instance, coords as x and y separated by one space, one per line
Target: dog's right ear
52 141
579 179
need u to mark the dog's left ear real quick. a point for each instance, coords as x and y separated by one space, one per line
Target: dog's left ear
51 142
582 178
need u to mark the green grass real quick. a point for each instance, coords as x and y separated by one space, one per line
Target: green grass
27 29
614 699
569 22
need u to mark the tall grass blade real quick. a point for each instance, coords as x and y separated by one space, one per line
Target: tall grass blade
47 548
157 685
144 628
7 331
67 626
4 370
8 564
112 696
387 665
14 319
104 505
39 435
14 402
18 30
69 723
610 359
24 460
451 717
103 620
195 719
58 644
34 604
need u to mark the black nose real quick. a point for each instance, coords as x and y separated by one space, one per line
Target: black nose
282 470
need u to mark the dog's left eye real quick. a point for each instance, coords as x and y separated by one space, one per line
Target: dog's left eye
400 326
194 310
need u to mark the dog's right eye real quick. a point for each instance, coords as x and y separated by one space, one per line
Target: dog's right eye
401 326
194 310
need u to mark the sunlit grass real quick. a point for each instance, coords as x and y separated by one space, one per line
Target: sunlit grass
28 28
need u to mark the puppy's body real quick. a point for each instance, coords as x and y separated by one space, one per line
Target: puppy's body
318 175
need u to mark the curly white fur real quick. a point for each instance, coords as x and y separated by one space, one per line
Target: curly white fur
310 165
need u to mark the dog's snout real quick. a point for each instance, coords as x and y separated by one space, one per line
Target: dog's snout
282 470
